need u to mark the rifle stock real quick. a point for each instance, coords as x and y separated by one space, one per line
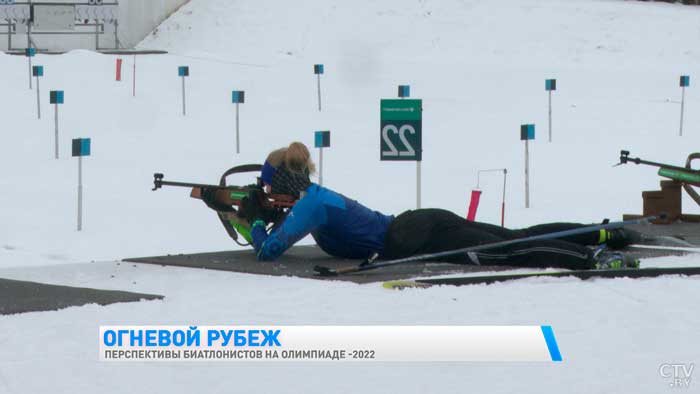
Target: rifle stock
690 177
221 196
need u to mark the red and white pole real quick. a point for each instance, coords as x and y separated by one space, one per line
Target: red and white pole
503 200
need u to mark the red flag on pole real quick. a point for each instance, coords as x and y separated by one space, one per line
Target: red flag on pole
473 205
119 69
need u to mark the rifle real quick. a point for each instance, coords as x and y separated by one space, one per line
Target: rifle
687 176
275 206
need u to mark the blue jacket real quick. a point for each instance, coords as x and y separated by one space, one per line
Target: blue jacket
341 227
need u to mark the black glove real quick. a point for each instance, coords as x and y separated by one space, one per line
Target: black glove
251 206
209 198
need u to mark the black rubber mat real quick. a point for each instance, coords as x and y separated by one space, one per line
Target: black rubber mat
299 261
687 231
19 296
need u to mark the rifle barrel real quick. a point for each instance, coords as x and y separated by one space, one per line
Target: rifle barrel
637 160
187 184
271 200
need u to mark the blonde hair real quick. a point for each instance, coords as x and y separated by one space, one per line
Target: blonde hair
296 157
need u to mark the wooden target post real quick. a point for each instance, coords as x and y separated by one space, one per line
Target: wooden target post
527 133
550 85
237 97
685 82
56 97
318 70
81 147
38 71
183 72
322 139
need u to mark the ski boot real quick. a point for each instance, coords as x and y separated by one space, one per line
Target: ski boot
618 238
606 260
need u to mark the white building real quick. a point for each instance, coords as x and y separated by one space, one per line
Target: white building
86 24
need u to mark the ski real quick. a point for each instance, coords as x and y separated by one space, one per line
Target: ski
664 240
669 248
370 263
583 275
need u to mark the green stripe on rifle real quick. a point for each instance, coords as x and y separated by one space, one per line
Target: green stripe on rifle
682 176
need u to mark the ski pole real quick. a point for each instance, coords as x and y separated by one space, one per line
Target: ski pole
370 265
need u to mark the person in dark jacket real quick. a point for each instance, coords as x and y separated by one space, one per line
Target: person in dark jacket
343 227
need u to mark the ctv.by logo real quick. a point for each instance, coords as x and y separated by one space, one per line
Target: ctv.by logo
678 373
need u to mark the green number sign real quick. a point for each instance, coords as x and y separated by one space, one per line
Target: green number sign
401 130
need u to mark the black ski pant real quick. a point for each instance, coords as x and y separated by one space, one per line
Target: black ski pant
437 230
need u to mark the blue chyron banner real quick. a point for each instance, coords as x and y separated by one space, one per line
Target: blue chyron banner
329 343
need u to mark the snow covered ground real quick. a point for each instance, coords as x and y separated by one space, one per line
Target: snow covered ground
478 66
